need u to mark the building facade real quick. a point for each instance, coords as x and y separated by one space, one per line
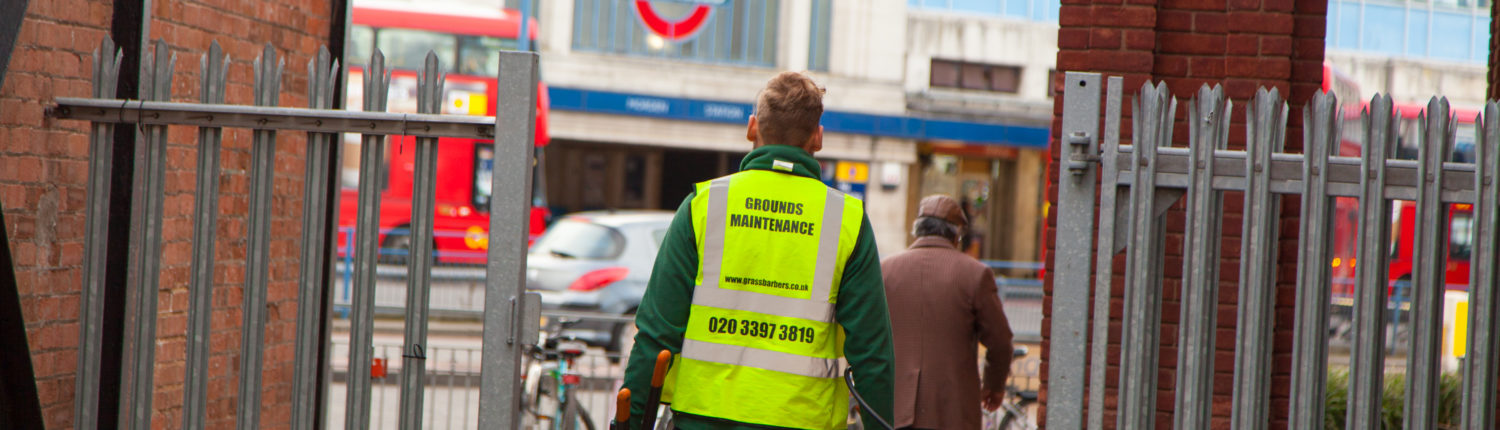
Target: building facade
638 118
1412 50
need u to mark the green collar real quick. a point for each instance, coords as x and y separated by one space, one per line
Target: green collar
783 158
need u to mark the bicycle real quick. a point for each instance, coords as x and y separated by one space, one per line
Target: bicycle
1015 412
550 383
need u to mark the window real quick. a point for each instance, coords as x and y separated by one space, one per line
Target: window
944 74
737 32
479 55
407 49
1461 237
817 52
484 175
578 238
975 76
361 42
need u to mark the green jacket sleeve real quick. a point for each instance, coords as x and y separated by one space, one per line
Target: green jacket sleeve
862 310
663 315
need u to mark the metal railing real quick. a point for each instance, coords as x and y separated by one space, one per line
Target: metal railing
504 304
1138 183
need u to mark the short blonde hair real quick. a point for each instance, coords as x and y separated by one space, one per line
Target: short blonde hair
788 109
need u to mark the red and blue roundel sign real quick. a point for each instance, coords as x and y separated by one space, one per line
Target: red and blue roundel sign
680 28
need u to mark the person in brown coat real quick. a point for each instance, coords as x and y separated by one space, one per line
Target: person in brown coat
943 301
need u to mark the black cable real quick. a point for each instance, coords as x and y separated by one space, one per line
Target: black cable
849 379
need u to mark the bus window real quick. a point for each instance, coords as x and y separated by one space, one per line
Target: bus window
407 49
1463 143
484 174
1407 138
361 41
479 55
1460 237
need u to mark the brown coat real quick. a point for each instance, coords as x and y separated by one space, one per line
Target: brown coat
942 302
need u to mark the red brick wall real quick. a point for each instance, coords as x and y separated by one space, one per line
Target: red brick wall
43 169
1242 44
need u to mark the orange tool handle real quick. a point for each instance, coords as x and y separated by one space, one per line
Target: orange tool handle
622 409
653 399
659 375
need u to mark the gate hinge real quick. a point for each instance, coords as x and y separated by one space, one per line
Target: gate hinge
1081 159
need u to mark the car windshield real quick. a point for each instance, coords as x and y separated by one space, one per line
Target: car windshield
578 238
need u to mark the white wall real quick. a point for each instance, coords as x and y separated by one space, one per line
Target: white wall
1413 81
981 39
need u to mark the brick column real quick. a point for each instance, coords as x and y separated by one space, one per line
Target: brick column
44 171
1242 44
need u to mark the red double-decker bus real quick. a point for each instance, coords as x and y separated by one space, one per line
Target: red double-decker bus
466 40
1455 249
1403 213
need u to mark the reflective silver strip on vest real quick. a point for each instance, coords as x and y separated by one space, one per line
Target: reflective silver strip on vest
761 359
828 244
816 308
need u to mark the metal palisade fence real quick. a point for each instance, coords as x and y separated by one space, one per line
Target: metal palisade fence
504 325
1130 188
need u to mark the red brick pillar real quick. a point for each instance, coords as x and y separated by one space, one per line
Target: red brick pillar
1243 45
43 178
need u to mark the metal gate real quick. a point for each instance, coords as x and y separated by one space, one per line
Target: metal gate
511 130
1135 186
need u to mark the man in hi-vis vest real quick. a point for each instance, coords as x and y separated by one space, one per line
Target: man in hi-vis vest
765 280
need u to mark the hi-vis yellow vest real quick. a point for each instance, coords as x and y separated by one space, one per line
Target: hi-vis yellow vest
761 345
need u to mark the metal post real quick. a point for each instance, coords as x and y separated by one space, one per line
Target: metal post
1423 361
321 72
515 122
212 71
419 265
1368 368
1265 132
1105 252
91 301
1141 326
1321 130
367 231
257 258
145 250
1070 276
1480 373
1208 127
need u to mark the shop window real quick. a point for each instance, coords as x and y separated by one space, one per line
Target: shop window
975 76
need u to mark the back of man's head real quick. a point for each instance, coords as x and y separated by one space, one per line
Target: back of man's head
788 109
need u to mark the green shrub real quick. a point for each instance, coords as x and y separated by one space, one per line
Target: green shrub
1392 400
